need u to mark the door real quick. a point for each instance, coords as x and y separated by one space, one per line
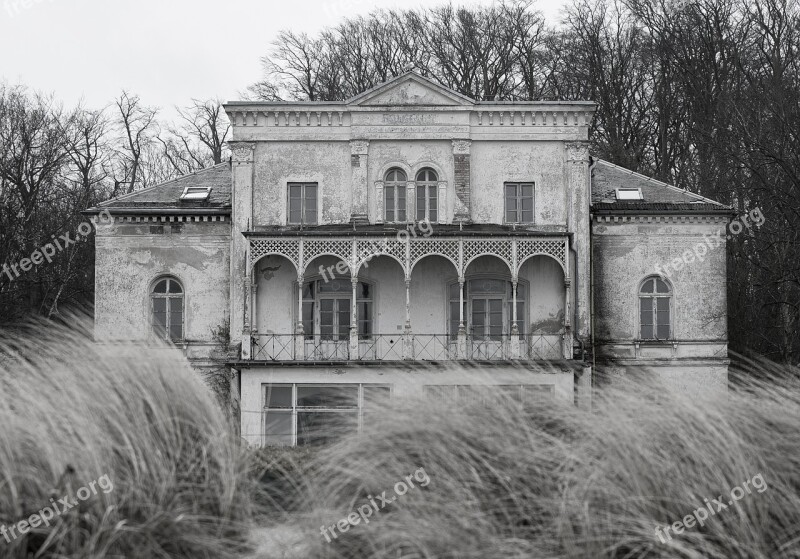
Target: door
487 327
334 328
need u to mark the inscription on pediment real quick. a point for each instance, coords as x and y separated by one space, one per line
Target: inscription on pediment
408 118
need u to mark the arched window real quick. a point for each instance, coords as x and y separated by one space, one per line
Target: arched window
394 195
166 307
427 195
655 309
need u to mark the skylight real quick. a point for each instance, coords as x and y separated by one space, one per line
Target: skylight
196 193
629 194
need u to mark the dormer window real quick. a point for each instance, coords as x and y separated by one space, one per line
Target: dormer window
196 193
629 194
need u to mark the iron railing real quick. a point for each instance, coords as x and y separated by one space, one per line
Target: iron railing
398 347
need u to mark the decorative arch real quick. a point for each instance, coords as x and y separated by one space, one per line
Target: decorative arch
426 255
420 165
548 255
361 262
474 258
392 164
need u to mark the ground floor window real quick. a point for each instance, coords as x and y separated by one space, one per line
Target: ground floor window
488 310
313 414
528 394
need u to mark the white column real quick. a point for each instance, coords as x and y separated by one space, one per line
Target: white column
299 335
441 204
411 201
514 345
379 205
567 321
354 320
462 330
408 336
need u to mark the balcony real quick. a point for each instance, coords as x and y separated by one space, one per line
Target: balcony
485 293
414 347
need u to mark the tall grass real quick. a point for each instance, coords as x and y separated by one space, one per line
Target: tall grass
509 480
73 411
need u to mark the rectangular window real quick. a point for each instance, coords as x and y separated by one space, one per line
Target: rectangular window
427 209
654 318
313 414
303 203
395 203
519 202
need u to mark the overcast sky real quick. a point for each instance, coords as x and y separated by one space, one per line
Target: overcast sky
167 51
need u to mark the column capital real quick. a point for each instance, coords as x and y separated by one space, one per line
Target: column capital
577 151
461 146
359 147
242 151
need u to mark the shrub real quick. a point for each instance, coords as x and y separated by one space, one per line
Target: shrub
74 411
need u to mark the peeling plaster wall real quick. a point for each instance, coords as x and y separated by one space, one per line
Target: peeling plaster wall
279 163
625 253
411 156
130 257
497 162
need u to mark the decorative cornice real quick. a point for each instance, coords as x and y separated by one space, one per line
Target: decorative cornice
461 147
242 151
359 147
577 151
688 219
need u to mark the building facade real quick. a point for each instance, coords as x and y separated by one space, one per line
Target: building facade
413 240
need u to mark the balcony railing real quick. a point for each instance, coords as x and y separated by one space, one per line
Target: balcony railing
400 347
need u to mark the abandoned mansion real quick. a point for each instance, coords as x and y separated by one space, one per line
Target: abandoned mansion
414 240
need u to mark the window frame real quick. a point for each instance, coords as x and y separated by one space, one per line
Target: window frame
654 296
430 192
318 295
518 201
361 407
303 203
396 187
507 306
167 296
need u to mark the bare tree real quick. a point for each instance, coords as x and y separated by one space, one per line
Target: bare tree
138 127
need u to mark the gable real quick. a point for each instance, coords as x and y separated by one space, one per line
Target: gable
410 89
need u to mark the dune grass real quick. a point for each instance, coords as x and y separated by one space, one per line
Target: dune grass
72 412
551 480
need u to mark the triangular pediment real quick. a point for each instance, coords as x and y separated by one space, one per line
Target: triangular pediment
410 89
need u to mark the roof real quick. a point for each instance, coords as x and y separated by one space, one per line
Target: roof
164 198
658 197
410 89
442 230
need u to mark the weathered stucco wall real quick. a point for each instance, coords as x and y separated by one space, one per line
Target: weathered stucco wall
497 162
131 256
405 381
626 253
278 163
